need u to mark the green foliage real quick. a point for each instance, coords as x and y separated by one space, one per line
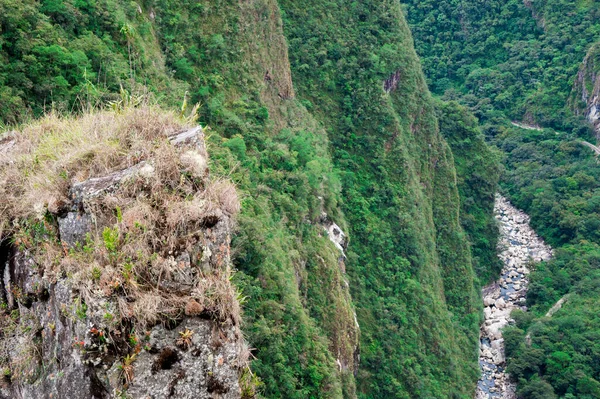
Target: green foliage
513 339
249 384
69 55
556 179
511 58
537 389
278 235
96 273
375 157
519 60
477 178
80 309
110 236
410 266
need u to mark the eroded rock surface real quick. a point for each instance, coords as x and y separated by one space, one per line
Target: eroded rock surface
585 96
203 365
519 246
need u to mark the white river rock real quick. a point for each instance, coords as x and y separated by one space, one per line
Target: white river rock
518 247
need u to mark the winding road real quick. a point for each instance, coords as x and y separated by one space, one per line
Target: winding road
593 147
596 149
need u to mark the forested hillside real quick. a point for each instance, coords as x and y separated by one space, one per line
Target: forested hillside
536 62
320 113
477 170
400 197
514 58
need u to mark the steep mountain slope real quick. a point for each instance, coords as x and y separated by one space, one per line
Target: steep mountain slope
409 263
584 99
340 132
477 171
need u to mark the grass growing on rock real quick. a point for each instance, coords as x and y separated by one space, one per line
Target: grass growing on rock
141 228
54 151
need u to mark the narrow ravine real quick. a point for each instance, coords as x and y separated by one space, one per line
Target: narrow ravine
518 247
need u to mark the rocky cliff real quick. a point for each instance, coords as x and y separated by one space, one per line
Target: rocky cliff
116 263
585 96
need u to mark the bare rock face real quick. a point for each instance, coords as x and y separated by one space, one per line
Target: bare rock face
205 365
346 337
335 233
45 352
66 337
585 96
73 228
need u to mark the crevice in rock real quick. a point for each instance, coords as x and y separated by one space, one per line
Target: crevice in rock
6 254
166 359
215 386
179 376
210 221
97 389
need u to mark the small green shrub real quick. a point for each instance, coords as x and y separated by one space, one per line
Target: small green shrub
110 237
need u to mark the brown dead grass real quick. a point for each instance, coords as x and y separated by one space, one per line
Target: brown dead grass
215 294
53 152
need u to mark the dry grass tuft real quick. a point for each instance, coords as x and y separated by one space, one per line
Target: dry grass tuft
223 195
217 296
181 213
194 163
193 308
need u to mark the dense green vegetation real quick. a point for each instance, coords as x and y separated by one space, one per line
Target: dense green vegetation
511 58
334 141
477 172
400 198
66 55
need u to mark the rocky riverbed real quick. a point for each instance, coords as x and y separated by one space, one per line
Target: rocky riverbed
518 247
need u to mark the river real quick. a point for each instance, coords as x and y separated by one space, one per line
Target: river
519 246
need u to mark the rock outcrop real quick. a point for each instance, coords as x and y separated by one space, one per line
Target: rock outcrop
585 96
337 237
519 246
105 305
